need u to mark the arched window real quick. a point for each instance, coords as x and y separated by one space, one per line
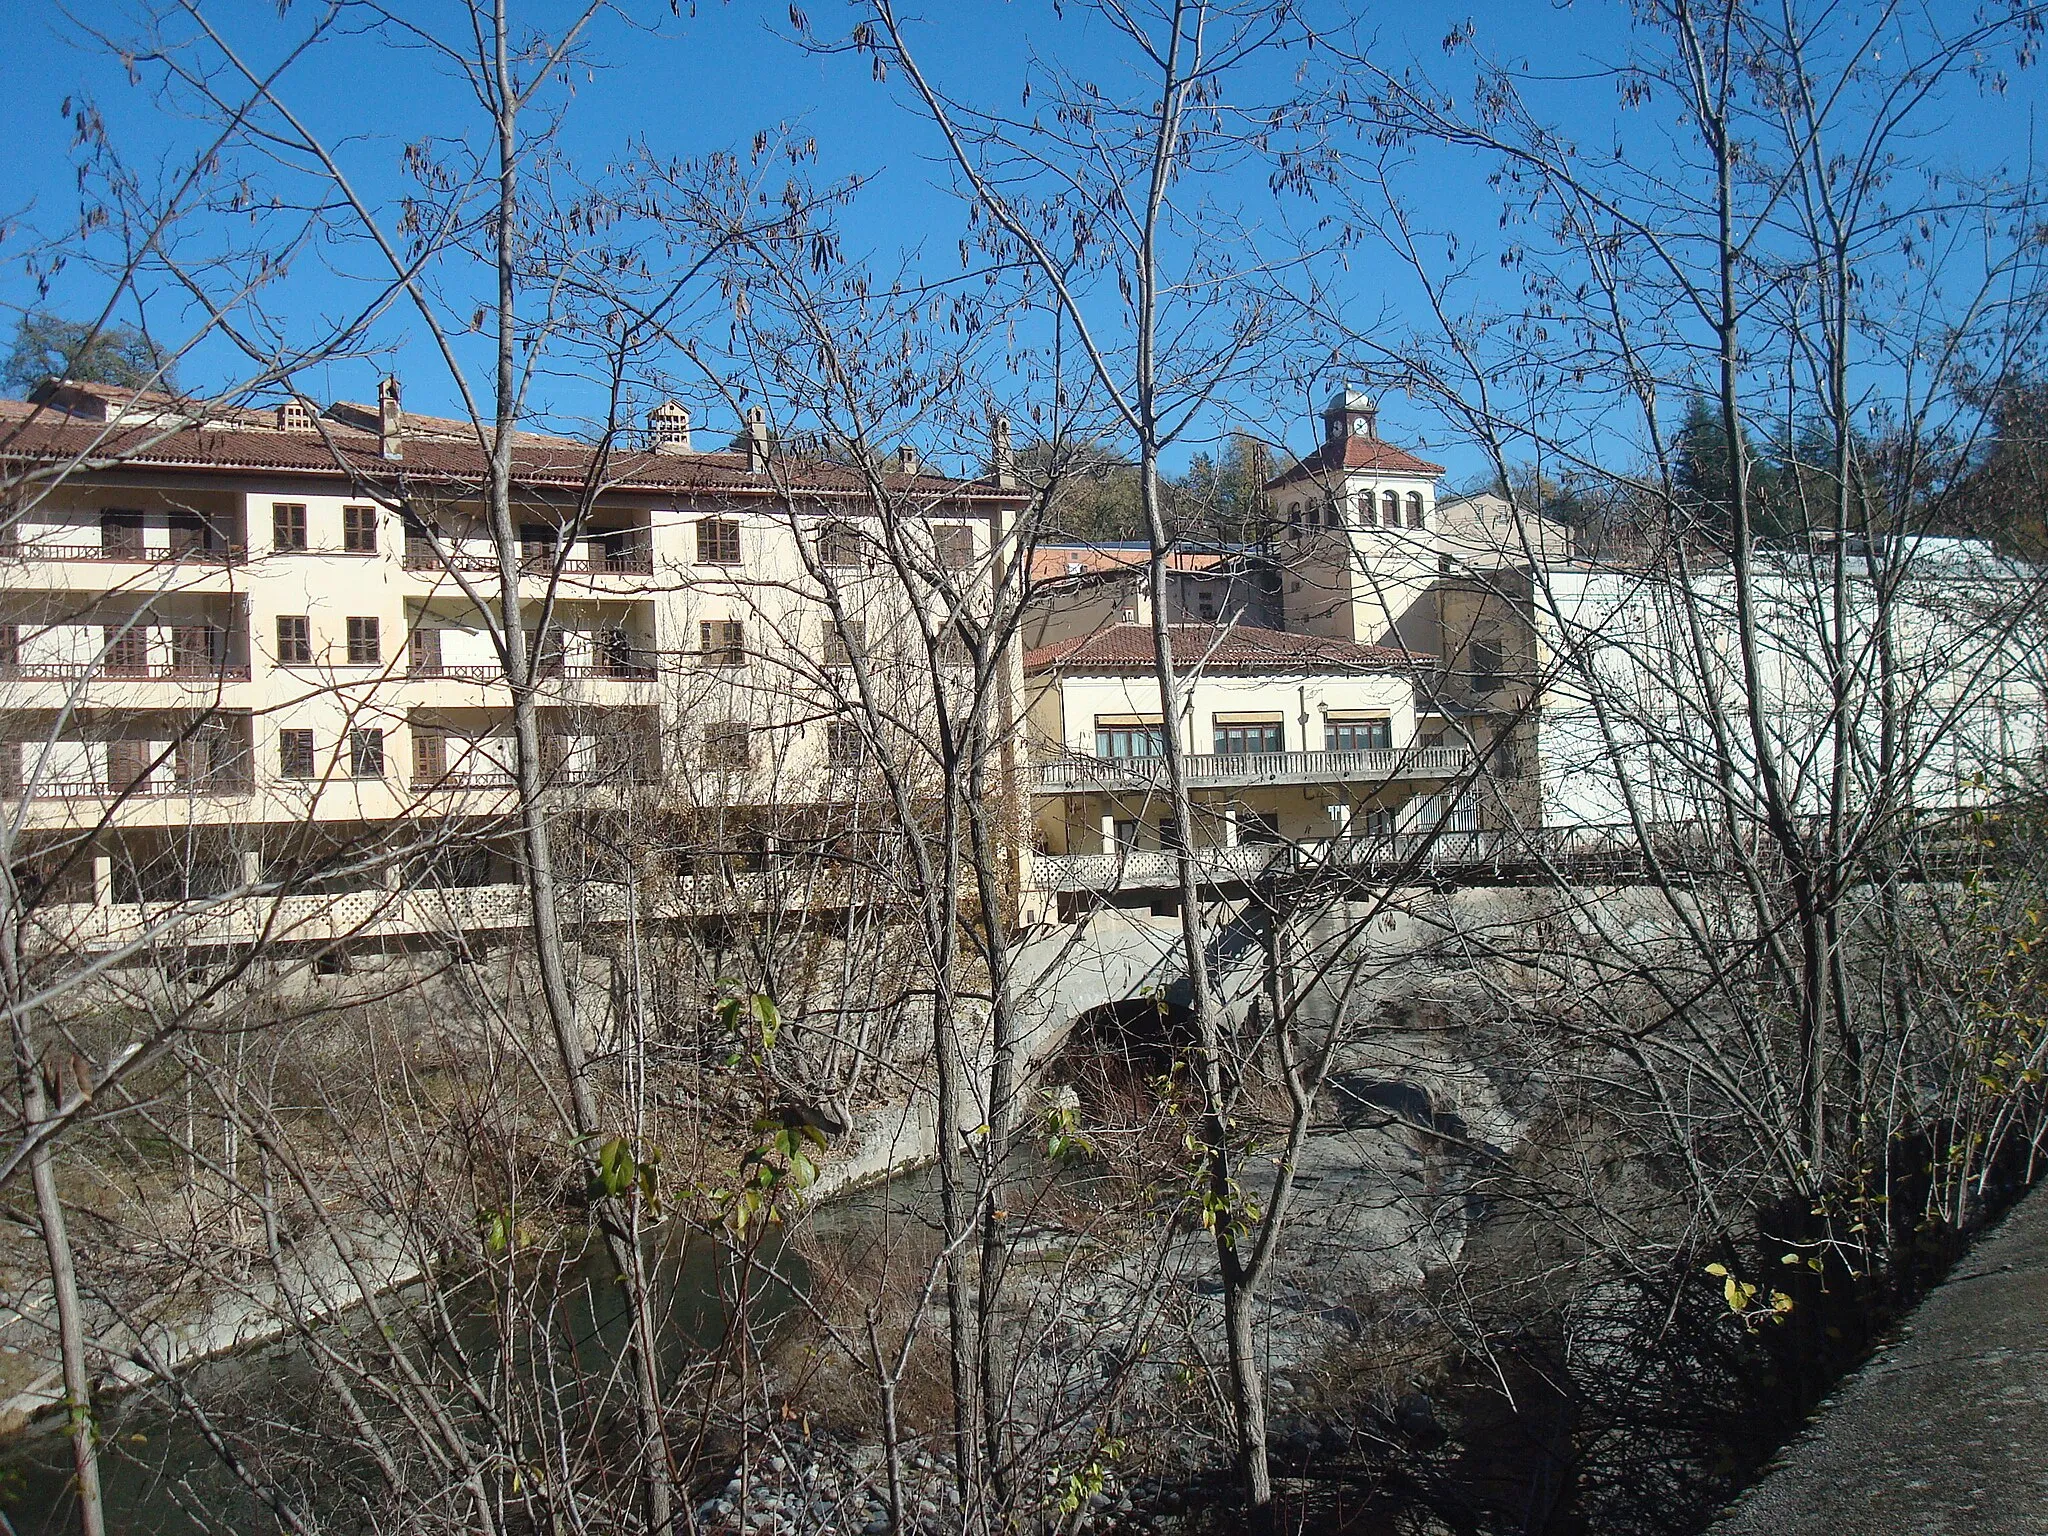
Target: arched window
1294 514
1415 509
1333 513
1368 512
1390 509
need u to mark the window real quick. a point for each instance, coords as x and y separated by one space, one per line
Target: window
722 642
954 543
1127 739
1361 734
294 640
1390 510
10 770
423 652
838 546
842 640
718 541
1415 509
1333 514
365 649
197 647
538 544
1244 740
295 754
188 535
1294 514
1368 512
429 757
1486 663
10 646
127 650
1205 603
129 764
419 546
614 650
359 530
121 535
1258 826
365 753
845 747
725 744
1169 834
287 526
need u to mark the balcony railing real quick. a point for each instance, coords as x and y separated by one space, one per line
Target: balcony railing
122 672
1207 770
122 554
491 672
152 788
503 779
627 562
1135 870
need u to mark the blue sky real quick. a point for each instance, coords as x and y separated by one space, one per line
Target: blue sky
712 79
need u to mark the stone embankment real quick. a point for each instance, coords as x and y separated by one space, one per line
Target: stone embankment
1944 1432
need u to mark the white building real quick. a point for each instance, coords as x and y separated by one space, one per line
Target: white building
257 646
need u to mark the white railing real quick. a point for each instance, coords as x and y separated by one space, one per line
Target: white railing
1206 770
1151 869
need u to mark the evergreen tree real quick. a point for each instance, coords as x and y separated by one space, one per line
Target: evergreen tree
47 346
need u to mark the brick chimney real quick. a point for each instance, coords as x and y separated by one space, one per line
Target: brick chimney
390 420
668 428
757 440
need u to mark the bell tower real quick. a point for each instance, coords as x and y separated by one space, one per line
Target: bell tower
1351 413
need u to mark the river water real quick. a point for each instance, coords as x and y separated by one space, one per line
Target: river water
162 1478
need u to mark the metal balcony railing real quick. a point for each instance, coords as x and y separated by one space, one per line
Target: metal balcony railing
154 787
121 554
626 562
491 672
1208 770
153 672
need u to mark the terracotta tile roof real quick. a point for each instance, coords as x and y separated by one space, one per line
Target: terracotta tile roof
31 435
1216 648
1355 453
1053 562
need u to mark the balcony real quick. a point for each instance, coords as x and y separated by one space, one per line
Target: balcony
153 788
124 554
618 562
190 673
502 779
1210 770
491 672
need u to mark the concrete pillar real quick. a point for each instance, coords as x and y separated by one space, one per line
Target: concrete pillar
1230 826
1109 832
252 867
103 879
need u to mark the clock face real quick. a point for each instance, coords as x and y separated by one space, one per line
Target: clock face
1358 426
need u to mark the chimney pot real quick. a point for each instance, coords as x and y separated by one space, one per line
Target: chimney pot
294 416
390 420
